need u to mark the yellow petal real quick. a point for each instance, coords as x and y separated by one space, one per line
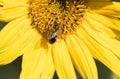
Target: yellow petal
11 52
14 30
12 1
99 0
110 43
82 58
62 61
48 72
105 50
13 10
111 10
100 27
37 64
96 5
106 21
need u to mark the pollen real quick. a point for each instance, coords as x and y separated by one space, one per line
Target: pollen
66 14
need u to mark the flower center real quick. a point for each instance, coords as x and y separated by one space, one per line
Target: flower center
56 18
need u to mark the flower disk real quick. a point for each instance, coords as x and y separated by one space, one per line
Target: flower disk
68 14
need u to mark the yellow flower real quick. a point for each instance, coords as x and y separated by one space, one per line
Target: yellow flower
60 35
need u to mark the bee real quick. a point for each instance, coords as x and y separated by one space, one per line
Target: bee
53 35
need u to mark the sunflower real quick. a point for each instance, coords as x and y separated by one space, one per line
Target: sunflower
61 36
